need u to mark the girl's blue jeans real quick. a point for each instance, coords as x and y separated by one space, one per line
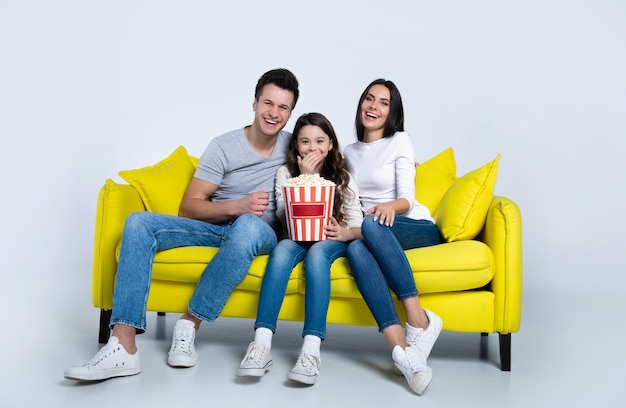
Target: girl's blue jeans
378 263
145 233
318 259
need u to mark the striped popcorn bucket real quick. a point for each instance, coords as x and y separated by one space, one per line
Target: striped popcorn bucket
307 210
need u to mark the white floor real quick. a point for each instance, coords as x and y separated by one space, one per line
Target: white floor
560 358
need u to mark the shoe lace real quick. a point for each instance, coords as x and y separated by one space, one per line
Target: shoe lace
308 361
412 361
183 342
103 354
255 353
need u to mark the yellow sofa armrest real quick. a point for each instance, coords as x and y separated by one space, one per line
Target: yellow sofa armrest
503 234
115 203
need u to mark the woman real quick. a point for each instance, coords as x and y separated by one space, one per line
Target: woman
383 166
314 149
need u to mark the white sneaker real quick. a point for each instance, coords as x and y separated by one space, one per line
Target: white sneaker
257 361
183 352
411 361
425 339
307 368
111 361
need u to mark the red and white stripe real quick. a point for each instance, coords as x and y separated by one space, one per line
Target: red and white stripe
308 209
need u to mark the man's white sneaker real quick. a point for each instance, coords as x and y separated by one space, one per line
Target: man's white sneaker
411 361
257 361
307 368
425 339
111 361
183 352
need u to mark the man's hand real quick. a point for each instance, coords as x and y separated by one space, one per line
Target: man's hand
255 203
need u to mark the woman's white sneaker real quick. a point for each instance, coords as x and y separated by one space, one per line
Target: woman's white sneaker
111 361
425 339
411 362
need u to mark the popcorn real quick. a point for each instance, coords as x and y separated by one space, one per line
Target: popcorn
308 180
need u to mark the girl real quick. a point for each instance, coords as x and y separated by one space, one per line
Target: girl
384 170
314 149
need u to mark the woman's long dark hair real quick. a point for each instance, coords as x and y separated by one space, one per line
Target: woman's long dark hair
334 168
395 121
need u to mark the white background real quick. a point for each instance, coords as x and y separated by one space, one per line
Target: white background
91 88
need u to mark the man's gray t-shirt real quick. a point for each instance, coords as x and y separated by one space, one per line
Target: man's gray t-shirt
231 163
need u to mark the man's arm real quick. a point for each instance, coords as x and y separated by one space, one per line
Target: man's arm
195 204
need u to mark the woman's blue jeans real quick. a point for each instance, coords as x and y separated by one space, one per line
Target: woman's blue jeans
145 233
318 259
378 262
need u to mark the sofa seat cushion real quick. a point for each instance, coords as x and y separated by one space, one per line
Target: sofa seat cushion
186 265
449 267
454 266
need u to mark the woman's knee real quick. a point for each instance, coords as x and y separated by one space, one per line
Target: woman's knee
371 228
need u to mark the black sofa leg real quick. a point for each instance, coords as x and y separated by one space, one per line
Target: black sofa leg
105 331
505 352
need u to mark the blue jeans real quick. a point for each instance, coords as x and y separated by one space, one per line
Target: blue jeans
318 259
378 262
145 233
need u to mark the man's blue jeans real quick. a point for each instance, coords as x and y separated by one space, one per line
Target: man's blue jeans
378 262
145 233
318 259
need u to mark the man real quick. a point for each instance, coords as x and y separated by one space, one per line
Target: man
237 172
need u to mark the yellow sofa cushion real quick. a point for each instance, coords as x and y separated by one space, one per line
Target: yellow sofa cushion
468 265
186 265
462 211
162 186
434 177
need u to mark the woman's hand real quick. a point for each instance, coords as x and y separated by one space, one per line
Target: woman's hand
383 213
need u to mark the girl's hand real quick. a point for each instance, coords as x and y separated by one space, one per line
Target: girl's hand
310 163
336 232
383 213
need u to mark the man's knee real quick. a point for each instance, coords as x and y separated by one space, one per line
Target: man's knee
138 220
249 227
250 230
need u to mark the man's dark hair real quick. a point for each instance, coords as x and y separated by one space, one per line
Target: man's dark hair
282 78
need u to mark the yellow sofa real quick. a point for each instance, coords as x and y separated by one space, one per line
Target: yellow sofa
473 280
